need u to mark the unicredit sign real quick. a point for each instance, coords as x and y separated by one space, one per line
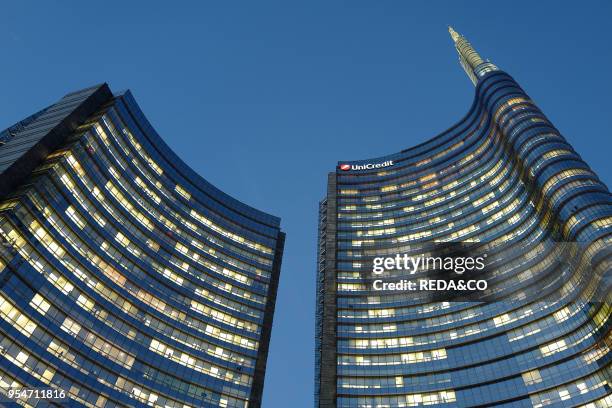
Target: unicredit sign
369 166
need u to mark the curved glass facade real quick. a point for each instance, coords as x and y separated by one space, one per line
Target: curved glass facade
502 175
125 278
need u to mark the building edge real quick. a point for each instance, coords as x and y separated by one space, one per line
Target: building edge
256 399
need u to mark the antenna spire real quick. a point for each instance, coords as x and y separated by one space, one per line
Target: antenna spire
472 63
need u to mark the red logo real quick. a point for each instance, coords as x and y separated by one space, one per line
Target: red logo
345 167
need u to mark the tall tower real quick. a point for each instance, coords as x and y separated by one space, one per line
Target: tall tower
502 177
126 279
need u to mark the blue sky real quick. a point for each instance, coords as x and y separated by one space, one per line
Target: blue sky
263 98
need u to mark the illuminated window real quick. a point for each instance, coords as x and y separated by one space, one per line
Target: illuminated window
39 302
183 192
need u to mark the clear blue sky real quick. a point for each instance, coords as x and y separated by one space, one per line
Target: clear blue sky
262 98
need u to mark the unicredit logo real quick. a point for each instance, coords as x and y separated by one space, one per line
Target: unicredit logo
369 166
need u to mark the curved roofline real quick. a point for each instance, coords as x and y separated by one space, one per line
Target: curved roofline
182 168
475 100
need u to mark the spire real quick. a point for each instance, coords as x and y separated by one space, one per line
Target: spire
470 60
454 35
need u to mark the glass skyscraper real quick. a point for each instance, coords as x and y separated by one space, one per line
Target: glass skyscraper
125 278
502 175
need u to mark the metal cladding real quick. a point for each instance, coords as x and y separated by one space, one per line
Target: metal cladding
502 175
125 278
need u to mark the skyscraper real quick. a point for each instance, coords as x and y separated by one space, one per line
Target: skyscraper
502 175
125 278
